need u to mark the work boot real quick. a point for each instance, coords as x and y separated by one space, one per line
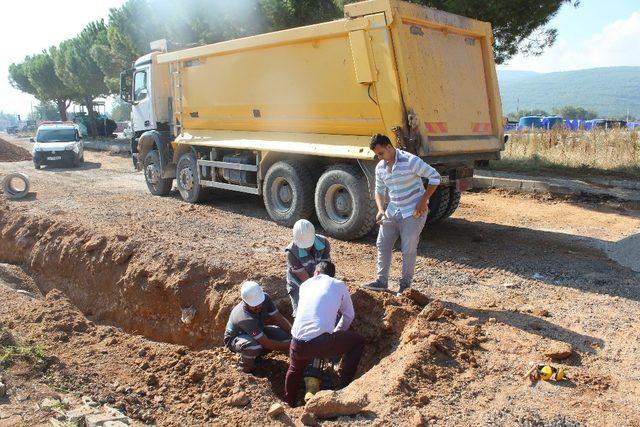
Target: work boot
376 285
247 364
402 288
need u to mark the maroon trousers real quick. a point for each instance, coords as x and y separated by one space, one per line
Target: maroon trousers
301 353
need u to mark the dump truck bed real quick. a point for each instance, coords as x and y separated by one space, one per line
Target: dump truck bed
448 80
326 88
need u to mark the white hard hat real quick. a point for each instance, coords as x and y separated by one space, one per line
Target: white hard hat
252 294
304 234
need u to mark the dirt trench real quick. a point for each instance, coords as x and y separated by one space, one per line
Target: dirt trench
412 350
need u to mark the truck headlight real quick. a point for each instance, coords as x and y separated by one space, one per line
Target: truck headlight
70 147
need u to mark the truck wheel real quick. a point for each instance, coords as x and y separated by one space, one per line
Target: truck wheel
454 202
438 204
343 205
157 186
37 165
188 179
288 192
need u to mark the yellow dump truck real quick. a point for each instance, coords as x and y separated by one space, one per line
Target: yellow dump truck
289 115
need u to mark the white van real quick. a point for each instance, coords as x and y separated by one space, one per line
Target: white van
57 143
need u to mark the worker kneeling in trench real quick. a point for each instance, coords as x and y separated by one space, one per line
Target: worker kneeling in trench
256 327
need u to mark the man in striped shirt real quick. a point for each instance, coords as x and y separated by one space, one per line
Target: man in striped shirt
399 175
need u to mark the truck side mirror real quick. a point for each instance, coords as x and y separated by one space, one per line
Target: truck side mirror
32 140
126 80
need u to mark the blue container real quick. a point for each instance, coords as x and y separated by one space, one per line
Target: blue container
550 122
529 122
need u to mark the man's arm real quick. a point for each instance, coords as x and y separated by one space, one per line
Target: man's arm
422 169
346 309
273 345
381 197
296 268
279 320
327 251
254 329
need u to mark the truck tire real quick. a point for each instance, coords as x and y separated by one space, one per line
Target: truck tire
157 185
454 202
188 178
288 192
438 204
343 205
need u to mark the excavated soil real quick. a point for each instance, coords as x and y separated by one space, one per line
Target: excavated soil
12 153
510 280
153 382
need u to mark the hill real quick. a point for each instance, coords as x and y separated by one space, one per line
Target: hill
609 91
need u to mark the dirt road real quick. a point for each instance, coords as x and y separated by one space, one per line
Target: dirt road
528 273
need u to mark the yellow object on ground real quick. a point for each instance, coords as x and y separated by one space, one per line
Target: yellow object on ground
312 386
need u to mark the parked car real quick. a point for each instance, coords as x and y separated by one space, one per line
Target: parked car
57 143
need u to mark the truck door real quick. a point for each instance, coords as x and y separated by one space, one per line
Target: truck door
142 110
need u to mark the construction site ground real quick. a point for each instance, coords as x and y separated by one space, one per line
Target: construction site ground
108 275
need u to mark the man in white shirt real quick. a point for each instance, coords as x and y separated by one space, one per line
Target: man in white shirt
315 333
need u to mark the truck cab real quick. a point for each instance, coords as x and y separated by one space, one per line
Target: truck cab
146 87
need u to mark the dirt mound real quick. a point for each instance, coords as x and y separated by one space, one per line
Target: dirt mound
12 153
434 346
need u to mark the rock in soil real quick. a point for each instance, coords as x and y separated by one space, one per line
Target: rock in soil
331 404
418 420
49 403
275 410
417 296
541 312
559 351
239 399
308 419
433 311
111 417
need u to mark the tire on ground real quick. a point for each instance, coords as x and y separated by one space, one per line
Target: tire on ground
343 203
10 190
288 192
438 204
157 186
188 178
454 202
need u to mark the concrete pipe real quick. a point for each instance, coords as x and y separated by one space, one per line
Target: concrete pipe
15 185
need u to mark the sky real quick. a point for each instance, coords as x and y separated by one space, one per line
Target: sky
595 34
29 26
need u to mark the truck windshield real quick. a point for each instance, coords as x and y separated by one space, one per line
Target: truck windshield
56 135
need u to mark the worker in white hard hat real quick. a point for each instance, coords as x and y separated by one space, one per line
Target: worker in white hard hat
256 327
303 254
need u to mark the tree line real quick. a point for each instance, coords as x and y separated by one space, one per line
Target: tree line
87 66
